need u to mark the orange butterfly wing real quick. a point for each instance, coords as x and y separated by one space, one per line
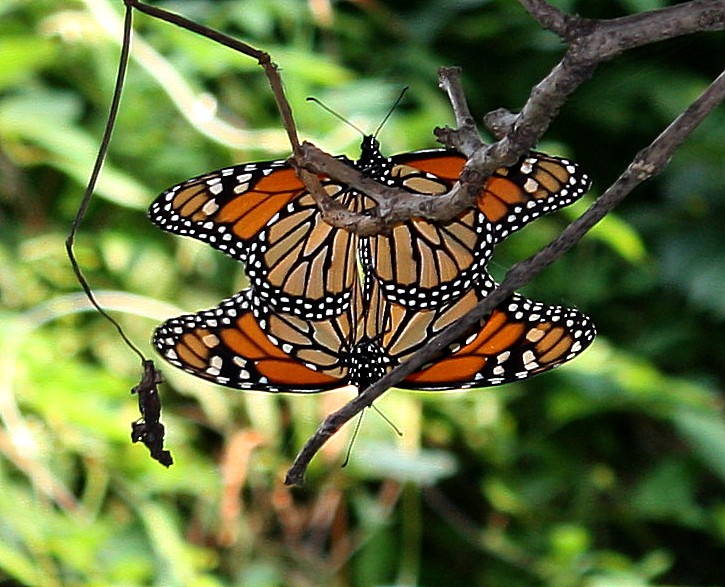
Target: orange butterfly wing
226 345
423 264
521 338
262 215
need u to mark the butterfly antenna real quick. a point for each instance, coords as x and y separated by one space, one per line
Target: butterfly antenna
355 432
388 421
352 440
392 109
326 108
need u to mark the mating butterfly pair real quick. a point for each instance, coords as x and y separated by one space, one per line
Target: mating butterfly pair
327 308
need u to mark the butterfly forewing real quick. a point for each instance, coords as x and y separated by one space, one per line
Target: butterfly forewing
519 339
538 184
227 208
226 345
513 196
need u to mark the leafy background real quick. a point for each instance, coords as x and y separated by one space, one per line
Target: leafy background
607 472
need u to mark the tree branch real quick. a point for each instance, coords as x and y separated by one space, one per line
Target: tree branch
590 42
648 163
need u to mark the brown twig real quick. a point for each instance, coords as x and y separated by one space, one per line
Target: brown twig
150 430
449 80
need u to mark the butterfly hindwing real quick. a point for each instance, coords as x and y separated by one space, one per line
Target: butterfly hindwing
421 263
301 264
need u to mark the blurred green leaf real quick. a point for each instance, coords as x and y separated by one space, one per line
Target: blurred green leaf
21 55
607 472
613 231
47 120
17 565
373 460
705 431
667 493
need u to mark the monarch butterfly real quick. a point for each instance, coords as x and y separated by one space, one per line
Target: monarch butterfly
262 215
310 323
242 343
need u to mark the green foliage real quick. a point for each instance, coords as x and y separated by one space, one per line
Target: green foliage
606 473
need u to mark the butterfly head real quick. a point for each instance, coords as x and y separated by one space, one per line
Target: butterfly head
370 145
372 162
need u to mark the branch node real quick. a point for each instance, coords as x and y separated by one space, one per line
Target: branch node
499 122
464 139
